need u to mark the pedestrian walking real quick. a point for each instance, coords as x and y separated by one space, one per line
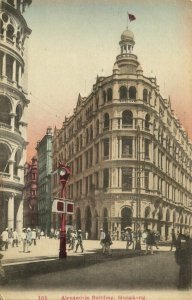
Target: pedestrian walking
33 237
149 242
183 257
173 239
129 237
29 238
72 240
79 241
107 243
86 235
10 236
156 238
3 278
24 240
42 234
4 238
102 239
15 238
144 236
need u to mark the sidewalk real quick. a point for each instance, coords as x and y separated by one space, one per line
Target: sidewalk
43 258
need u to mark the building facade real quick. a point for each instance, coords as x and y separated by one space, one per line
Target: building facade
30 211
131 159
14 34
44 158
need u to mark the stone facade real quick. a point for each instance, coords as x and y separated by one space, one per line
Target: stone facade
44 157
130 157
30 211
14 34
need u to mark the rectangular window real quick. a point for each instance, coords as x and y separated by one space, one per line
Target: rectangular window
147 143
127 146
106 148
146 180
97 180
105 178
127 179
97 153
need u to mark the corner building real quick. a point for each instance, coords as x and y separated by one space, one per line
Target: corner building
14 34
130 158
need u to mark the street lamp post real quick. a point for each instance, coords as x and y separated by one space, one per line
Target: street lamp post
64 172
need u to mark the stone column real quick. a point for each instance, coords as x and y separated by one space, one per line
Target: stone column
19 217
12 121
11 166
14 71
4 65
19 77
11 211
163 231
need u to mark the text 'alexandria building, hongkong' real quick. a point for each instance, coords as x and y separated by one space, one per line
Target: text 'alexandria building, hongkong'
130 158
14 34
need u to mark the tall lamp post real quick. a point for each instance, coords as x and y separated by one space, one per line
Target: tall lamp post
64 172
138 190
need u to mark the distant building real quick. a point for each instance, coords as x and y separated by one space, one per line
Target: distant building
14 34
44 158
131 159
30 211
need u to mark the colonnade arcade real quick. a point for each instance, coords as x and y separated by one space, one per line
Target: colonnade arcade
156 217
11 211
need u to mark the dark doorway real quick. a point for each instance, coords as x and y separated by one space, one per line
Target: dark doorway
126 217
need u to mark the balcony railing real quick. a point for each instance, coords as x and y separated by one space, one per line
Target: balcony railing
5 126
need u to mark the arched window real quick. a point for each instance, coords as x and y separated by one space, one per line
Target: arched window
4 158
97 127
132 92
10 32
5 109
104 97
123 93
18 116
147 121
145 95
106 121
109 95
127 118
126 217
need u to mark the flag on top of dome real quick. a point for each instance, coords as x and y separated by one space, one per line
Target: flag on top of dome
131 17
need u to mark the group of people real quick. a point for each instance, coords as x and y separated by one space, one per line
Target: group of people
11 238
75 239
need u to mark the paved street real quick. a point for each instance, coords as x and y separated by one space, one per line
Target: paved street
123 270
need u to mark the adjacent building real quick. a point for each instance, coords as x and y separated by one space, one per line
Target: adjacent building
44 159
30 209
14 33
131 159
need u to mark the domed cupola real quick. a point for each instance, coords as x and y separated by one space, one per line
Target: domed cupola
127 41
126 61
